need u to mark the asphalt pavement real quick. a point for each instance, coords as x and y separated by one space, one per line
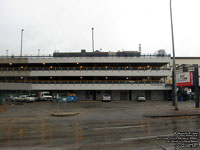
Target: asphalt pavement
89 125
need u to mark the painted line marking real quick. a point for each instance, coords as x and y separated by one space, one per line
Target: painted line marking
122 127
146 137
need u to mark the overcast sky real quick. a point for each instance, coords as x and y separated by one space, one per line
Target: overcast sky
65 25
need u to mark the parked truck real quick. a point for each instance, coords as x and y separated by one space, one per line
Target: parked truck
44 96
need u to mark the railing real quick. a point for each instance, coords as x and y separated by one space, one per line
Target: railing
80 55
85 81
79 68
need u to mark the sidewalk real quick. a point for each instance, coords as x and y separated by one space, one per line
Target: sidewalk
185 108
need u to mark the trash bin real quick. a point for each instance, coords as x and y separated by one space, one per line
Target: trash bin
75 98
72 98
69 98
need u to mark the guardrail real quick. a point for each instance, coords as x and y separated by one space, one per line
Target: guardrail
85 81
51 68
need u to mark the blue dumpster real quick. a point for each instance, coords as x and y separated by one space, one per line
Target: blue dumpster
75 98
69 98
72 98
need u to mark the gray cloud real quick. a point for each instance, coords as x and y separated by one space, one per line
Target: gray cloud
65 25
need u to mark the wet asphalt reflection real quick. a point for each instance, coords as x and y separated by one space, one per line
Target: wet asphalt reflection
66 133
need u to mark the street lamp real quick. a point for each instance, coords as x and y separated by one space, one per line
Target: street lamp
38 52
22 30
93 40
174 63
6 53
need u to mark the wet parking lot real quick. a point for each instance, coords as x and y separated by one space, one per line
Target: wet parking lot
114 125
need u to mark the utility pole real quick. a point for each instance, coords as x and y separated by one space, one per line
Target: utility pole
196 84
174 63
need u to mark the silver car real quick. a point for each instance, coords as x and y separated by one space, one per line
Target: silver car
30 99
141 99
106 98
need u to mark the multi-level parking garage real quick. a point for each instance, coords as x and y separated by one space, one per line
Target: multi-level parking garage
124 75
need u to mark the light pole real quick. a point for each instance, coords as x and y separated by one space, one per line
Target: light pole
38 52
22 30
93 40
174 63
7 53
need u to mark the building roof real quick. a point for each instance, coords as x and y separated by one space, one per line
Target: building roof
186 57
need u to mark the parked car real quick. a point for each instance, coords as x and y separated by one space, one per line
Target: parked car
35 96
14 98
21 98
141 99
106 98
30 98
25 98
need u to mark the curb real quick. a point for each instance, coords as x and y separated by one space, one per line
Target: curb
175 115
68 114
